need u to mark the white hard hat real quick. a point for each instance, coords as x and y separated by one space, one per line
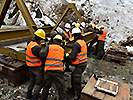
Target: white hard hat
58 37
83 24
67 25
76 30
73 23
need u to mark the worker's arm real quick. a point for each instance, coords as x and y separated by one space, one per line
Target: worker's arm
76 48
36 50
100 32
64 57
69 45
44 51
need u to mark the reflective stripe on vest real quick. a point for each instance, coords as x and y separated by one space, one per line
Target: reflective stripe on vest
82 56
32 60
55 57
102 37
68 36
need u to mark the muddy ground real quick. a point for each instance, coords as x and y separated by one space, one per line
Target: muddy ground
110 70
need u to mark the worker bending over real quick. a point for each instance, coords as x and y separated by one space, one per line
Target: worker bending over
35 64
78 57
54 70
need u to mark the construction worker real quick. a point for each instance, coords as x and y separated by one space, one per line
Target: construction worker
78 57
66 35
54 70
100 43
35 64
52 35
97 31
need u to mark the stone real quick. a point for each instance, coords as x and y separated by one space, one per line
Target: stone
131 72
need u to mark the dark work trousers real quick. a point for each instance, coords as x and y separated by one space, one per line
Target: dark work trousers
58 79
67 63
91 43
36 79
76 79
100 49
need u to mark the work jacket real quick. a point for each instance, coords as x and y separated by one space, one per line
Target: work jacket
102 37
67 36
81 56
54 59
82 31
32 60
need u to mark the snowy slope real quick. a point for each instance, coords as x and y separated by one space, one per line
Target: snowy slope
115 15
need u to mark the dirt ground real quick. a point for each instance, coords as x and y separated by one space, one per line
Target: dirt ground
110 70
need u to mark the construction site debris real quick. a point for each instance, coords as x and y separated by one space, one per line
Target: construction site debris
13 70
117 54
89 92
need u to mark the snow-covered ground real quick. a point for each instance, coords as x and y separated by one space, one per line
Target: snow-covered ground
115 15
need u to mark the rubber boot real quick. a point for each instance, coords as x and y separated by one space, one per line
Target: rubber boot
29 94
35 97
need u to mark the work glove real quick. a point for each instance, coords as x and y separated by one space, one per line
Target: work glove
65 43
67 54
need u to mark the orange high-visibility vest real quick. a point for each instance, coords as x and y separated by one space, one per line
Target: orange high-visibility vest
32 60
82 31
102 37
82 56
68 36
55 57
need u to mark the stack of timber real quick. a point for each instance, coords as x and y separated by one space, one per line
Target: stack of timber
117 54
91 92
14 70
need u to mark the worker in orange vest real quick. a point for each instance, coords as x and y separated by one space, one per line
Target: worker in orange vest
54 70
78 57
100 43
95 40
35 64
66 35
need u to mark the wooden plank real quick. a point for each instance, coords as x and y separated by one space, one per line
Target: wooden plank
99 94
90 93
124 91
100 84
89 87
110 97
11 62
